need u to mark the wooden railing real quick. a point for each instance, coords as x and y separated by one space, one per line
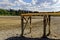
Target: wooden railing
46 21
41 13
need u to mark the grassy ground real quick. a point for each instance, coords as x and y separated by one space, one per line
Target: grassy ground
9 23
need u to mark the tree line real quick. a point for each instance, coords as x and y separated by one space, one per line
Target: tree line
12 12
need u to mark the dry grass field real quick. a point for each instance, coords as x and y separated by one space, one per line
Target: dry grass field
9 23
10 26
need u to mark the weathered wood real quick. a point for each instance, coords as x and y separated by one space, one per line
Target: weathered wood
45 25
30 24
49 20
46 20
22 30
39 14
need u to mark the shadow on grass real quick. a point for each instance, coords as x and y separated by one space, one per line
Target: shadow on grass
26 38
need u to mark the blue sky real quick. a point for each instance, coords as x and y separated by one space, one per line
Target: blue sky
32 5
28 1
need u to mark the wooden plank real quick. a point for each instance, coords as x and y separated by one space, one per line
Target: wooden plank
42 13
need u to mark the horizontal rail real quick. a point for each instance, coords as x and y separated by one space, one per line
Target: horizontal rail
39 14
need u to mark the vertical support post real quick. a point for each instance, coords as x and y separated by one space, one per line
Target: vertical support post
45 24
22 24
30 24
49 19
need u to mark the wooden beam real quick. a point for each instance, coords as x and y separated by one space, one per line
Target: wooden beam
39 14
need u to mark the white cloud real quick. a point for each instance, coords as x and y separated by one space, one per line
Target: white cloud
6 4
54 0
33 6
45 4
34 2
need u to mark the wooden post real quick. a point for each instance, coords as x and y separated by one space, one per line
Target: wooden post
22 24
49 19
30 24
49 22
45 24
